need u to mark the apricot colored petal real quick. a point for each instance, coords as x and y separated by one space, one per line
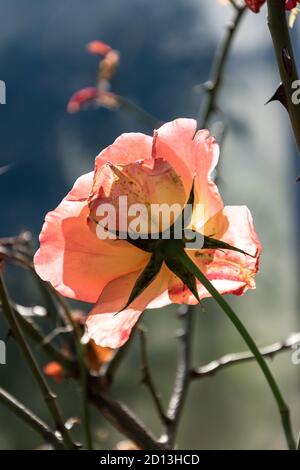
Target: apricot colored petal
191 155
161 301
72 258
127 148
208 201
174 143
105 325
230 272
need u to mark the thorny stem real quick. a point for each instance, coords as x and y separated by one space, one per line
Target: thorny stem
182 379
80 350
212 87
282 406
285 59
31 419
147 378
49 397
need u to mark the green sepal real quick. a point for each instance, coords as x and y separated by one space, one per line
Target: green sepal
184 274
214 244
210 243
146 277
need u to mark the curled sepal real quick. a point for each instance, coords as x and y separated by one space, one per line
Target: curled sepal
214 244
184 274
146 277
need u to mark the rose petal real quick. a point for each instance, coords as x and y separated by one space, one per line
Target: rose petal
111 329
229 271
72 258
192 154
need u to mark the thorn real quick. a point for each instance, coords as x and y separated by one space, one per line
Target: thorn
280 96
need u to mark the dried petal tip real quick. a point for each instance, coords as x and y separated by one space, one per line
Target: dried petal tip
98 47
81 98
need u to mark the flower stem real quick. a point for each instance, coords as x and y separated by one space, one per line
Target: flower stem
181 255
285 59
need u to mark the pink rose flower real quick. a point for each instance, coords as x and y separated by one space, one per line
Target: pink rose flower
147 170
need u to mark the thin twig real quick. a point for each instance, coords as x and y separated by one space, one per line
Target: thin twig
182 380
48 395
80 350
139 113
235 4
147 378
31 328
212 87
285 59
246 356
31 419
124 420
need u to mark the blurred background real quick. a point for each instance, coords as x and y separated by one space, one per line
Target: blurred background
166 52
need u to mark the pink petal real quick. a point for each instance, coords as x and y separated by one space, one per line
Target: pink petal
105 325
230 272
191 154
128 148
72 258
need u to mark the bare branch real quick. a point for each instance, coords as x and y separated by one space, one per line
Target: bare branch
147 378
48 395
124 420
241 357
212 87
114 411
31 419
182 380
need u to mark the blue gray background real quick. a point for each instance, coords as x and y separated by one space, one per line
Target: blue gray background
166 52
